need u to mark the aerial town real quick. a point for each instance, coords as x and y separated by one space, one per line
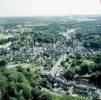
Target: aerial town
50 58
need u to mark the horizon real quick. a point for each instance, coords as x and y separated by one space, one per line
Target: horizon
91 15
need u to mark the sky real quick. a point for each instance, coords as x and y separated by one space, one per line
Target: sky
49 7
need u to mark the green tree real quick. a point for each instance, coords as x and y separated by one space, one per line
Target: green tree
2 64
45 96
12 89
69 74
3 84
26 90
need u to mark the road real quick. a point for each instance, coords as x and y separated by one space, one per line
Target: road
68 34
56 68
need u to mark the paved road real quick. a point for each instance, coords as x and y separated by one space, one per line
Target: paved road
68 34
56 68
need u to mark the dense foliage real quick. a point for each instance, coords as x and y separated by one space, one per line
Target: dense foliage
24 84
42 41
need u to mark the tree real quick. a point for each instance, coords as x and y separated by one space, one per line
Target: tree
26 90
35 93
45 96
12 89
84 69
3 84
45 83
13 76
96 78
98 58
69 74
22 78
2 64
